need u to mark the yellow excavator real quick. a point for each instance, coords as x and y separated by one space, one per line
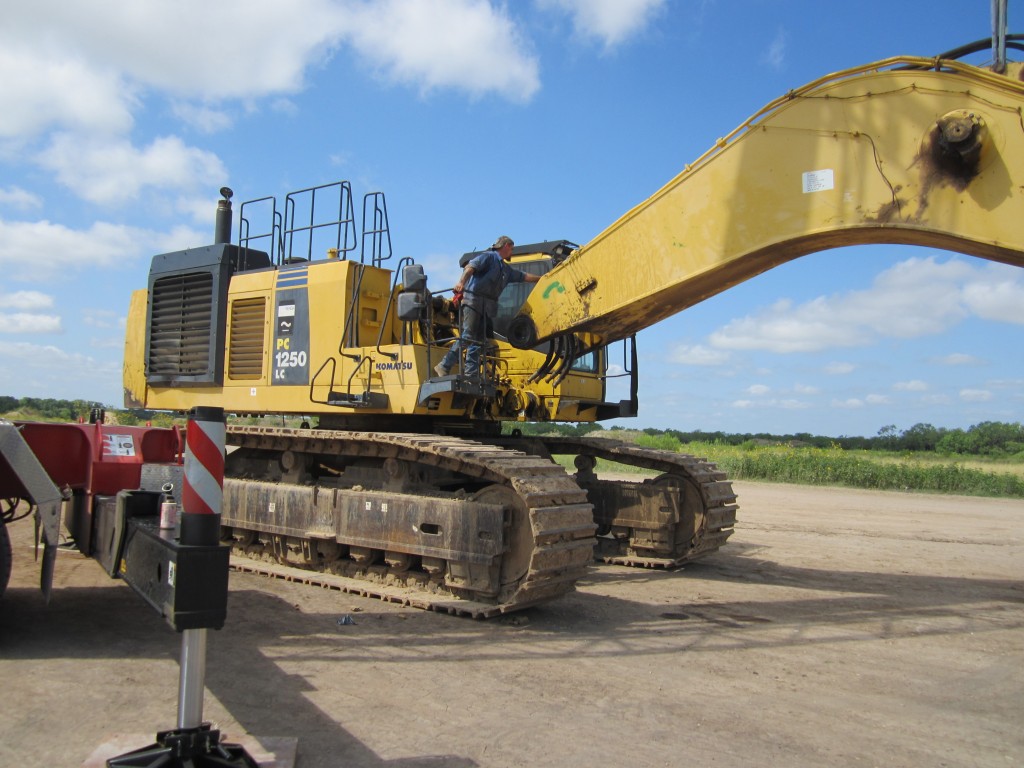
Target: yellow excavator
406 486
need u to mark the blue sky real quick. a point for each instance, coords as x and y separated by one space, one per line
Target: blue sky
541 119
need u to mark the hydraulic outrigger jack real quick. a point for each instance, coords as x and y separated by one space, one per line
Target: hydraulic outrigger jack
193 744
186 579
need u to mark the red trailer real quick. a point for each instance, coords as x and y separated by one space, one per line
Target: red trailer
56 470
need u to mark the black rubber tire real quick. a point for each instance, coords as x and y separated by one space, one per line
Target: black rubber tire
5 557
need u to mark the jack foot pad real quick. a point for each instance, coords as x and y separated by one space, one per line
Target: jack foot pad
188 748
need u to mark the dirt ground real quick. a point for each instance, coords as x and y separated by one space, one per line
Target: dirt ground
838 628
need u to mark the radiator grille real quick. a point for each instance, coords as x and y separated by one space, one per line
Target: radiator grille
245 351
179 335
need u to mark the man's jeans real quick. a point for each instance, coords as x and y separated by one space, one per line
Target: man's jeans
475 331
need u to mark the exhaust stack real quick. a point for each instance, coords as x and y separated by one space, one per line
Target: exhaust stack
222 228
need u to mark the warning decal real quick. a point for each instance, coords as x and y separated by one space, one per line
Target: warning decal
118 445
818 181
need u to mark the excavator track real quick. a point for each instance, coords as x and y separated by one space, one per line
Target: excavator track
684 513
435 522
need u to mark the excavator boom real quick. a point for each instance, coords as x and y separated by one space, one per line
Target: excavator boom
906 150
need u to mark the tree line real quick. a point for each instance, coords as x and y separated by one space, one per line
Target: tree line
48 408
51 409
989 438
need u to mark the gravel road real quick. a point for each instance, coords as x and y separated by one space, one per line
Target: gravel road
838 628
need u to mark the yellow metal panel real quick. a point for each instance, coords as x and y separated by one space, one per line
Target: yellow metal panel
134 374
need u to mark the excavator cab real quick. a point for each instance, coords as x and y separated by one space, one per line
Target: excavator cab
507 385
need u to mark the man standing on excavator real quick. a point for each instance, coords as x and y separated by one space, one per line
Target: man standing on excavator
481 283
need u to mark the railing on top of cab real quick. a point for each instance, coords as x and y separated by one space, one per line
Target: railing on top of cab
319 223
375 227
247 241
316 223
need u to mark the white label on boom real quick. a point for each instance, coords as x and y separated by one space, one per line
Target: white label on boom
818 181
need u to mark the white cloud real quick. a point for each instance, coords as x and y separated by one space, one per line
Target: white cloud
839 369
201 209
73 75
915 385
202 117
877 400
42 84
18 198
1015 384
793 405
916 297
110 342
35 354
697 355
783 329
776 54
996 293
100 318
610 21
85 68
442 270
975 395
284 106
785 404
227 49
849 404
758 389
26 300
44 368
958 358
806 389
28 322
68 251
464 44
115 172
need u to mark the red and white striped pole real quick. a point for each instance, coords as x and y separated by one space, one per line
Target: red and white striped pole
203 490
202 496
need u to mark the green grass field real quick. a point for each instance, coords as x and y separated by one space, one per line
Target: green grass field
927 473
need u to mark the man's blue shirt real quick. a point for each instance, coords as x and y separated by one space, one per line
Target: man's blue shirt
490 276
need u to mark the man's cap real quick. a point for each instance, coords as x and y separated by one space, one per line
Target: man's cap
501 242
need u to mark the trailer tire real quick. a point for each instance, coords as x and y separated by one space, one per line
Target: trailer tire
5 556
